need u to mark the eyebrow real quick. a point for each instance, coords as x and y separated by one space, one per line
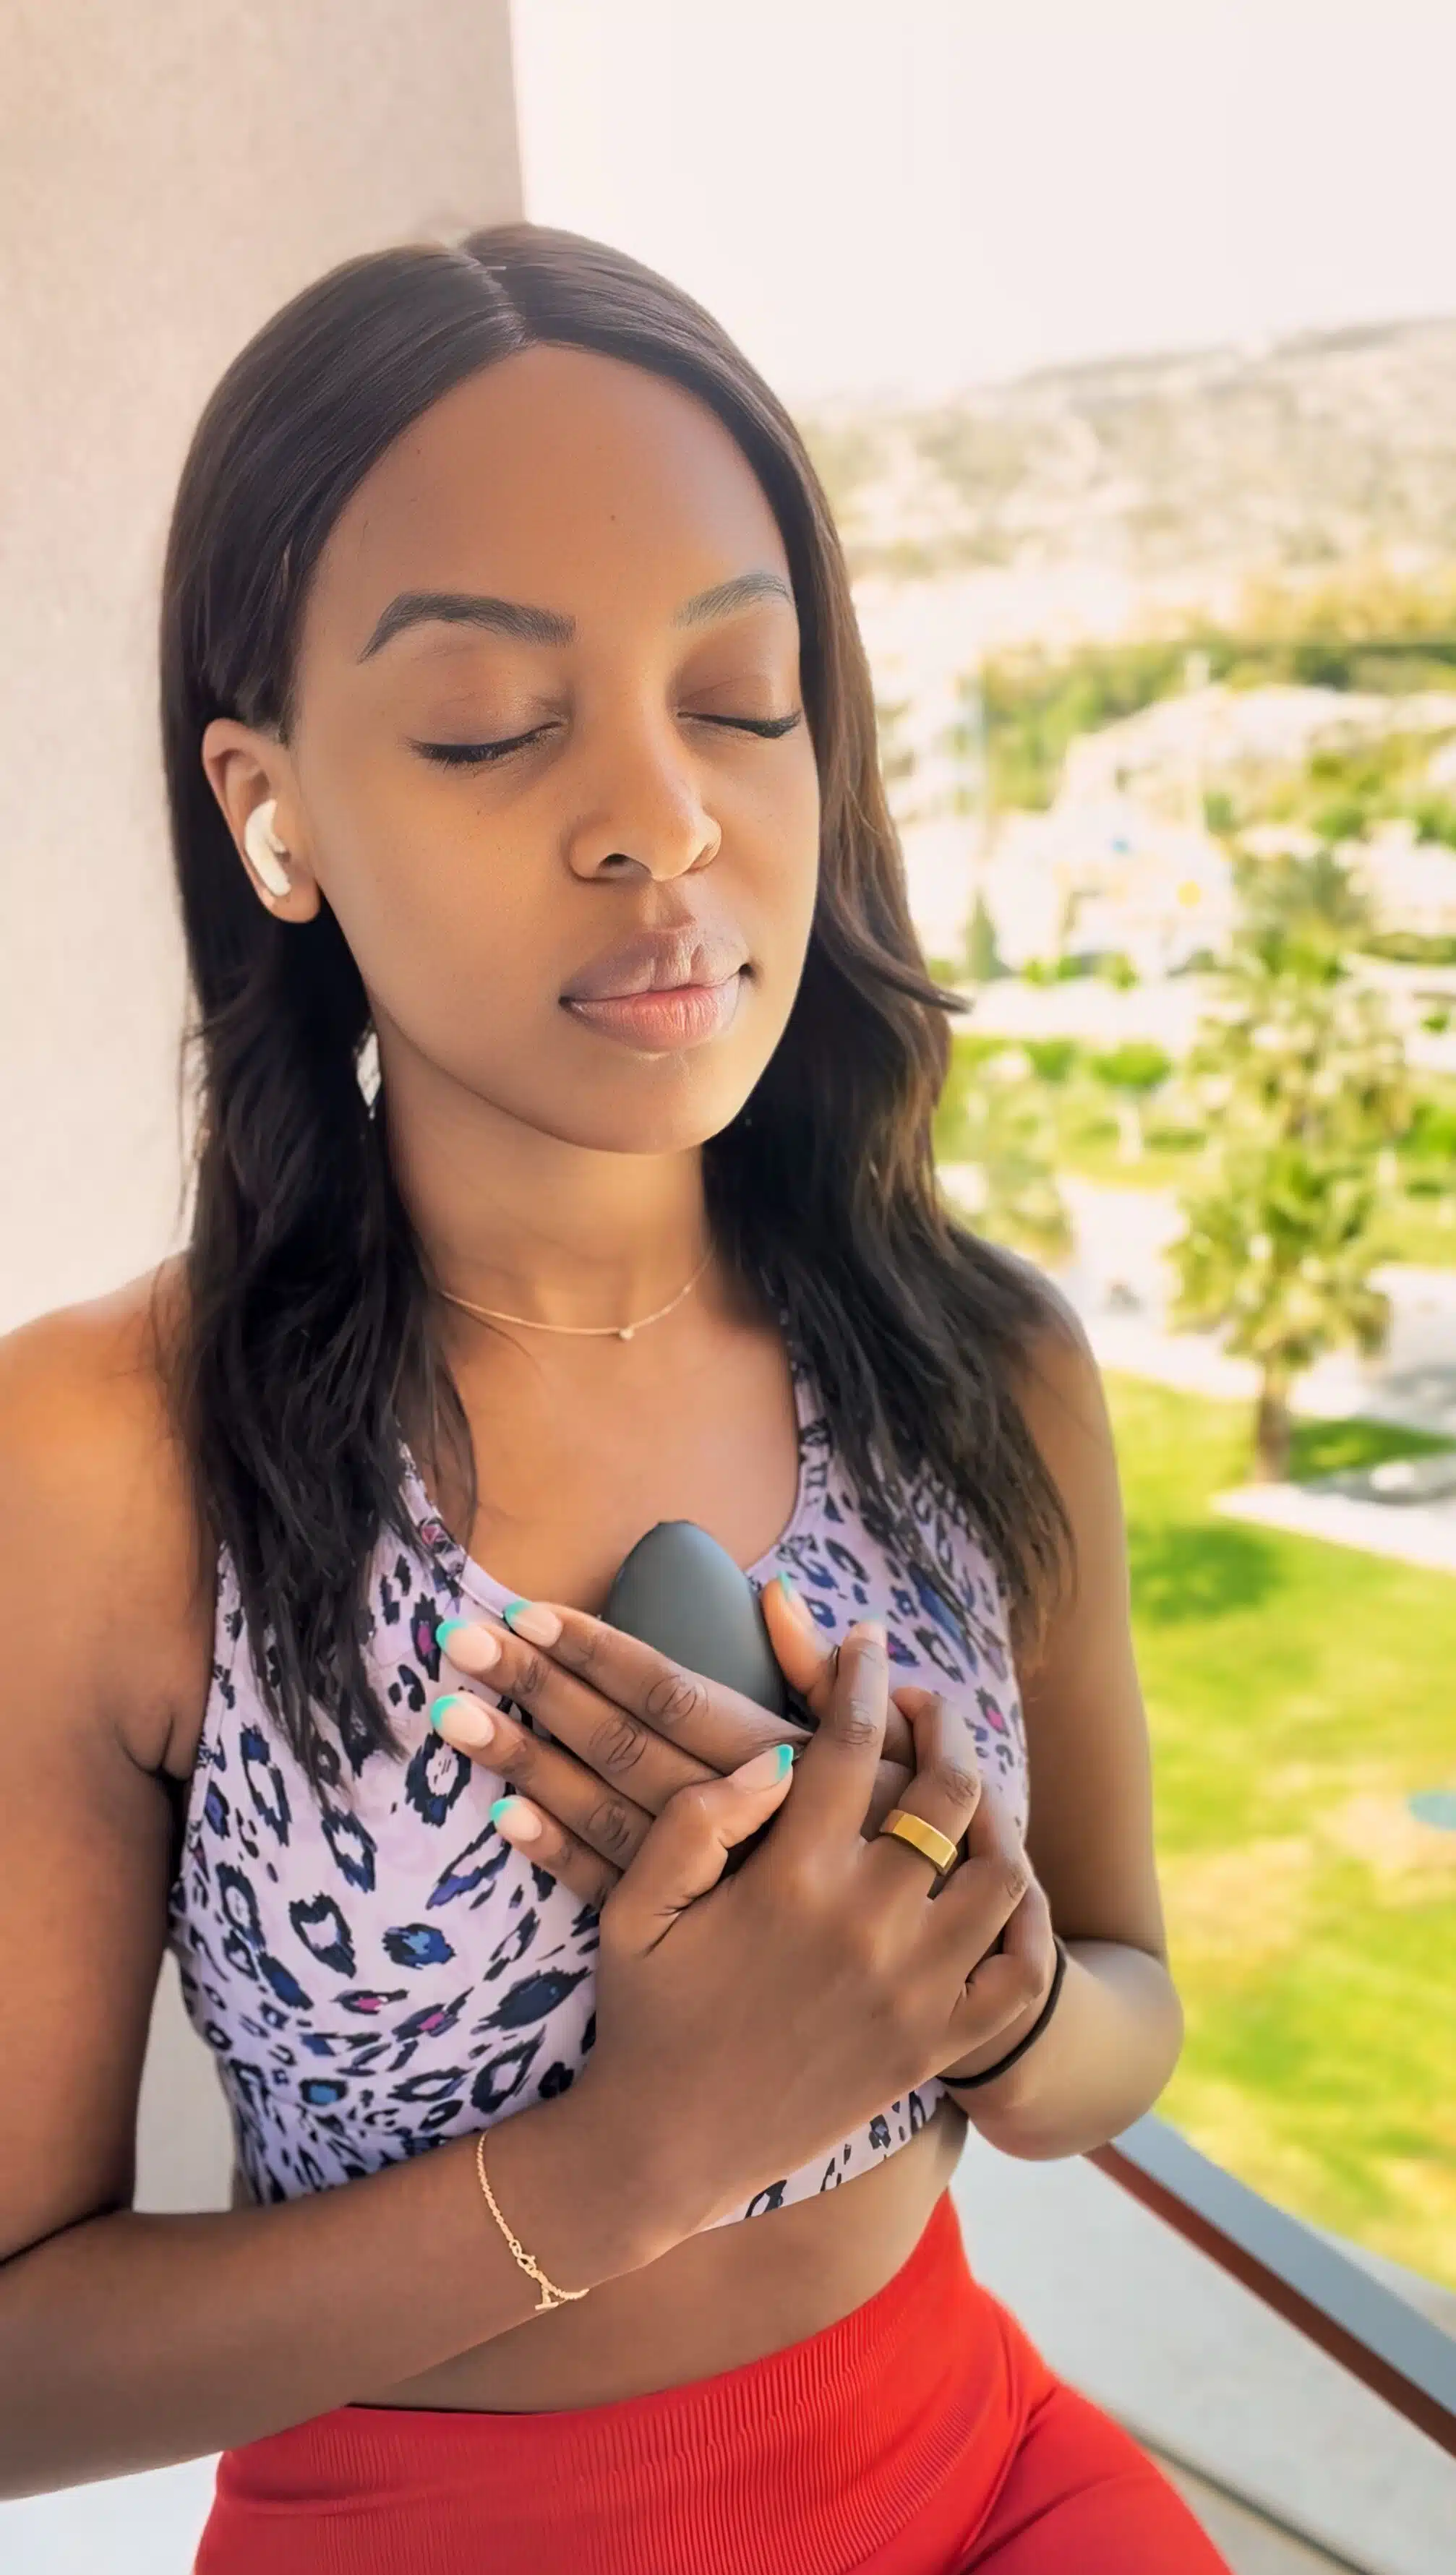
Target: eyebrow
545 625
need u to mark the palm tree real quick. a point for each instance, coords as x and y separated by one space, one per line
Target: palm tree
1302 1079
1313 903
1280 1253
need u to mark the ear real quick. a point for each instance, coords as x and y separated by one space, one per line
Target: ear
246 769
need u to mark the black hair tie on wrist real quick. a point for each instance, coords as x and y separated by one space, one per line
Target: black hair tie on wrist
968 2082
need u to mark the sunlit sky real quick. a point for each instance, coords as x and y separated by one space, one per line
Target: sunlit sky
898 197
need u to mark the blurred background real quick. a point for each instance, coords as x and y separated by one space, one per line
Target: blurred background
1124 342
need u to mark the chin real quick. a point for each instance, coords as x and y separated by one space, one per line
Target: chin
682 1129
666 1109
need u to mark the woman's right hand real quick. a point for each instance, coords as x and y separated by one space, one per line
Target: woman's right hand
746 2023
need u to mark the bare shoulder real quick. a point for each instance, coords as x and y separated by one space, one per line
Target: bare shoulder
1064 1402
1090 1834
101 1528
1058 1383
1062 1377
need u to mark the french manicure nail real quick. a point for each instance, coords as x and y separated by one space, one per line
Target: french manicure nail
470 1648
517 1823
764 1769
795 1599
528 1618
462 1721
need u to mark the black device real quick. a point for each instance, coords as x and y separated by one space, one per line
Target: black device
681 1591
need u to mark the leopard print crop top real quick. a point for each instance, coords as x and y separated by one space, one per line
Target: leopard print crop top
380 1972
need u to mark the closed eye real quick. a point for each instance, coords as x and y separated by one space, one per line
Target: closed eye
478 755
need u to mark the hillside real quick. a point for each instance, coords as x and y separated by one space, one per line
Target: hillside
1281 459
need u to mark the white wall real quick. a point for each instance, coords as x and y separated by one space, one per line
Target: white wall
168 177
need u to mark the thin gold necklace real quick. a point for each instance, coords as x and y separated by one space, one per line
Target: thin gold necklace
618 1332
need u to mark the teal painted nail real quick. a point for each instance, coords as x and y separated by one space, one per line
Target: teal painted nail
447 1698
795 1599
499 1808
785 1759
446 1631
512 1606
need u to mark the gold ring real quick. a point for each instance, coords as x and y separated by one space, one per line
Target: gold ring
936 1846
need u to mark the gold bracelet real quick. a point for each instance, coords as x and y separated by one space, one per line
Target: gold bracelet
551 2295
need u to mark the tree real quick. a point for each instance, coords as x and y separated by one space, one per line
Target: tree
982 957
1003 1127
1132 1072
1430 1149
1301 1076
1053 1059
1281 1252
1302 908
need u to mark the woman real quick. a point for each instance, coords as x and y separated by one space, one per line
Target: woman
564 1165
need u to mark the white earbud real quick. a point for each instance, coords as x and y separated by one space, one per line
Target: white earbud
266 851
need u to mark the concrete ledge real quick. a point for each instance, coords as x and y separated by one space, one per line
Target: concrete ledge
143 2525
1197 2368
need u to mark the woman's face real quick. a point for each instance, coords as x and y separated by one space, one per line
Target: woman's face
576 509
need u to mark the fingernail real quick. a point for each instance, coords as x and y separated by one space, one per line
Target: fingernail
472 1648
462 1721
765 1768
528 1619
872 1630
795 1599
518 1823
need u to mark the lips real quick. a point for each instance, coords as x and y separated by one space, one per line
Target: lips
659 960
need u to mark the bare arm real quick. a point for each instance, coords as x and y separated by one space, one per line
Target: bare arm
131 2341
1114 2037
744 2021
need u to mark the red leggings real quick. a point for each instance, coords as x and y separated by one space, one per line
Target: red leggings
923 2434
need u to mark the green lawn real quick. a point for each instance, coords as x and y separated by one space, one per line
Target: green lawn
1297 1694
1418 1225
1413 1227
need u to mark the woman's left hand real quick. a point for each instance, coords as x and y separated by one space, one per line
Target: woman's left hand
630 1727
1027 1933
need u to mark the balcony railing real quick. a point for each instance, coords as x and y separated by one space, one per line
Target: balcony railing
1370 2331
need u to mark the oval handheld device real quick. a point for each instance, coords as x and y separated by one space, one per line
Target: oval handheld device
681 1591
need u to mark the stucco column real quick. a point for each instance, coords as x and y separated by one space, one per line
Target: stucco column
168 177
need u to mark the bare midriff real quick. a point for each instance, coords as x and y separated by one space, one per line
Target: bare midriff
715 2302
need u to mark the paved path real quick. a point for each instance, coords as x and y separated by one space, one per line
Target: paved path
1414 1533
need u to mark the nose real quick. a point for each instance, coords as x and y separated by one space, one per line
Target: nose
644 807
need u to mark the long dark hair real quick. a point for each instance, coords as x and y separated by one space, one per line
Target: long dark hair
308 1333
